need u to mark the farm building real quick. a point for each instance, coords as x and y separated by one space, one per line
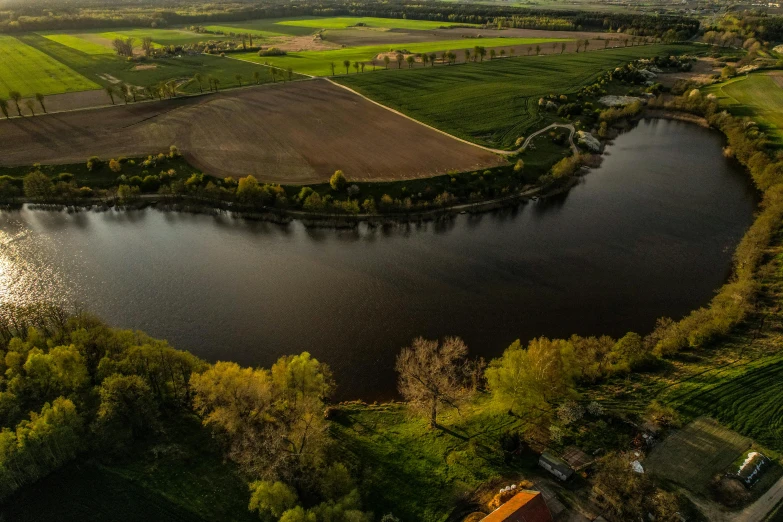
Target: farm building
555 466
525 506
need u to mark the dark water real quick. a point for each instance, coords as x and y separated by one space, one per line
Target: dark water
650 233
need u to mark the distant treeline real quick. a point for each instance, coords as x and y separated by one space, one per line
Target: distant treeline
37 16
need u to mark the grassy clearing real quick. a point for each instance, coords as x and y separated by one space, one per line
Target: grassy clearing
419 473
96 67
317 63
351 21
693 455
161 36
495 102
79 43
759 96
29 71
179 477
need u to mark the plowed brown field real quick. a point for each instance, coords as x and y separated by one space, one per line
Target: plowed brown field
292 133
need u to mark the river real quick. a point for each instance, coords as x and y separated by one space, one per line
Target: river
650 233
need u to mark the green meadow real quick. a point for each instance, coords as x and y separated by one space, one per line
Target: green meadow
268 27
495 102
79 43
351 21
28 70
318 63
758 96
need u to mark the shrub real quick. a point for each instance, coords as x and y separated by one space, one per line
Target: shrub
338 181
94 163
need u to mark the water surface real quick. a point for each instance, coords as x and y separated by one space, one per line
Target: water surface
650 233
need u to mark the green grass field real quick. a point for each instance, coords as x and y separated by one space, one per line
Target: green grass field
351 21
317 63
269 26
29 71
79 43
758 96
495 102
746 398
161 36
95 67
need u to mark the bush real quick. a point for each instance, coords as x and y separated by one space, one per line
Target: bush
94 163
338 181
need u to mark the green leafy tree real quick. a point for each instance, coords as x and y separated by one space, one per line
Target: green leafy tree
127 409
410 60
272 498
110 91
38 186
347 65
338 181
386 61
249 190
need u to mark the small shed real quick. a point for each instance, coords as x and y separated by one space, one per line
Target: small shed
576 458
555 466
525 506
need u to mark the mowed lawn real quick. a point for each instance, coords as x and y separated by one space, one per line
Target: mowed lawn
495 102
29 71
318 63
385 23
759 96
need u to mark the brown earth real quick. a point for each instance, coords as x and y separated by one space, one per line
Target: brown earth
702 71
293 133
73 100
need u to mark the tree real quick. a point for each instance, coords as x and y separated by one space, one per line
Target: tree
467 55
272 498
338 181
273 74
248 189
400 57
533 378
562 47
529 49
432 59
346 64
386 61
538 50
30 104
38 186
199 78
257 77
356 67
332 66
586 44
238 78
410 60
40 98
424 59
16 96
147 46
110 91
4 108
433 374
127 409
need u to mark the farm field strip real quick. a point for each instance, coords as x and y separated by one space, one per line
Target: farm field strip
28 70
495 102
228 29
757 95
79 43
343 22
317 63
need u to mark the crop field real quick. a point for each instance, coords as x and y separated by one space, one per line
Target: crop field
104 69
759 96
29 71
294 133
351 21
747 398
267 27
161 36
693 455
79 42
495 102
317 63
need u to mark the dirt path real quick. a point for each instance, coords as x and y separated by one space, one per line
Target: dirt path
755 512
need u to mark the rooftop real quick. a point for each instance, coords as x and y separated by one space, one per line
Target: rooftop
525 506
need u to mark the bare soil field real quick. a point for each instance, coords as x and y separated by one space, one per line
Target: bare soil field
293 133
358 36
76 100
702 72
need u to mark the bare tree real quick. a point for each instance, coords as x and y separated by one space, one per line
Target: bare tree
30 104
40 98
110 91
433 374
16 96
